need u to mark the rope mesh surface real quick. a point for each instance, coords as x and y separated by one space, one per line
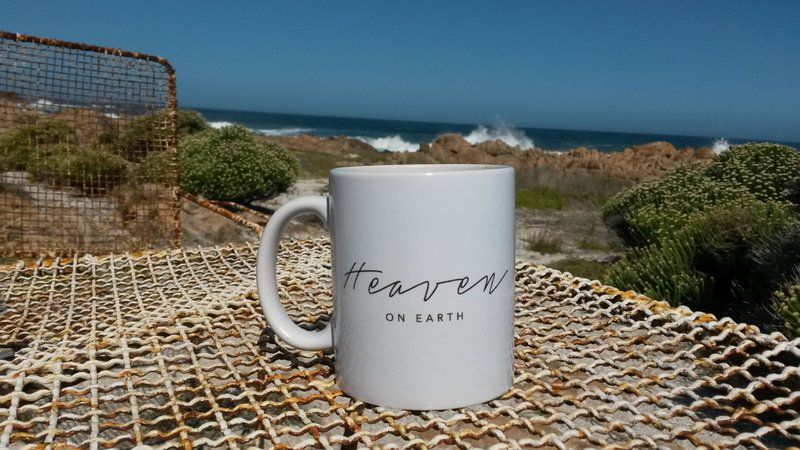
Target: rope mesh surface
88 149
169 349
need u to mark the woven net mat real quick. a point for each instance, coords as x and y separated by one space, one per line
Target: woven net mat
171 350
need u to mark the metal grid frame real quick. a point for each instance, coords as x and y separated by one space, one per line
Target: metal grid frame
88 149
170 350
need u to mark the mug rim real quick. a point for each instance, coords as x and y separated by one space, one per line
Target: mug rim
417 169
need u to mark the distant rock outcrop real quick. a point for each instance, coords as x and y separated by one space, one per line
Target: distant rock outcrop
338 145
636 163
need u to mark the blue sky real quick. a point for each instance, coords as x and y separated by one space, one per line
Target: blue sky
699 68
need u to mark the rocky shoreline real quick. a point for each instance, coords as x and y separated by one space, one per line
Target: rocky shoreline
632 164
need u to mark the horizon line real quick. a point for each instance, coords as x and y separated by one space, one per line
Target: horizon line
749 139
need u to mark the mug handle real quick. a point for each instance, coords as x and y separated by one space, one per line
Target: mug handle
267 282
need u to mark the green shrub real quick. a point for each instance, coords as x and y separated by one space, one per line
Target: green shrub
190 122
156 167
142 135
18 146
229 164
705 262
787 304
91 170
775 255
658 209
766 170
663 271
793 194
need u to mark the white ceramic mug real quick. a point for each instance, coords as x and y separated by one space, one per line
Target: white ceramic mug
423 282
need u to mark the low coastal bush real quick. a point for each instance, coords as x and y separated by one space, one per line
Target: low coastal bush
787 301
705 264
190 122
659 208
156 167
91 170
775 257
142 135
49 150
17 147
230 164
713 238
656 209
765 170
662 271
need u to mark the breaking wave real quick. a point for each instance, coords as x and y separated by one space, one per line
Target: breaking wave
391 143
511 136
283 131
218 125
720 145
264 131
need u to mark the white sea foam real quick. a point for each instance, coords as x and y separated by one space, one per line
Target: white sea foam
220 124
511 136
720 145
47 105
391 143
283 131
265 131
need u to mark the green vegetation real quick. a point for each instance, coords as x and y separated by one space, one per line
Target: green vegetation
150 133
91 170
544 242
48 150
230 164
156 167
143 135
699 265
18 146
593 245
719 238
190 122
581 188
787 303
584 268
539 198
314 164
765 170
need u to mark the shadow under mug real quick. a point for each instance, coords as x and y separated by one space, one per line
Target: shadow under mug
423 282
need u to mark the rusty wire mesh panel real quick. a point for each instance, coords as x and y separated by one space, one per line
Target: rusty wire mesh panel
88 157
170 350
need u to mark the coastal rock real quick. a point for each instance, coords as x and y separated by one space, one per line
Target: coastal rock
705 153
634 164
337 145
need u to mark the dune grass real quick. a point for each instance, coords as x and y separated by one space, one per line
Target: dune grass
542 241
594 245
568 189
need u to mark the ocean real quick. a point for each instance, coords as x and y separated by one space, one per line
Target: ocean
403 136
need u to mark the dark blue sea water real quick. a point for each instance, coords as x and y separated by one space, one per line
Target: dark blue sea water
396 135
